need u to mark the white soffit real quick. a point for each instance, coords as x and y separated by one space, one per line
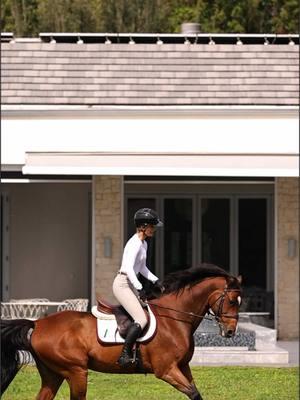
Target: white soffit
175 145
161 164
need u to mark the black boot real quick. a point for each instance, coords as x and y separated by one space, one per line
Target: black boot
126 357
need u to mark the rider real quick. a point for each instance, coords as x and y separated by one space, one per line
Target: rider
126 287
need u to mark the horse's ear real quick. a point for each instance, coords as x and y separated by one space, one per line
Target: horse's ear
239 278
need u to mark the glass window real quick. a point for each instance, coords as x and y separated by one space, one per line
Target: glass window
253 241
215 232
177 234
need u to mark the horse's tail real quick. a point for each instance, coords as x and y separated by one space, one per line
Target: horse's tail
15 336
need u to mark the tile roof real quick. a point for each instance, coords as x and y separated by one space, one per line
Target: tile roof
149 74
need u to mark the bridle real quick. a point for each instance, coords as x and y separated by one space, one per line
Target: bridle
217 316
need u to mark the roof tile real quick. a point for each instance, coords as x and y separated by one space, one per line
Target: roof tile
44 73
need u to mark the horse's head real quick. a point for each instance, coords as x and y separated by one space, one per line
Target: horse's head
224 303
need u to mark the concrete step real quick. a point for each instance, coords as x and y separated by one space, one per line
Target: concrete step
264 337
239 356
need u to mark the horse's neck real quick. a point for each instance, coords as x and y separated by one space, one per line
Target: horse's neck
181 307
203 290
195 299
190 299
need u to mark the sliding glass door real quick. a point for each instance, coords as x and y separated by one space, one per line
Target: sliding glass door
233 231
178 234
214 231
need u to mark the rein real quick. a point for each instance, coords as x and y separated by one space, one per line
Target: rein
216 316
191 314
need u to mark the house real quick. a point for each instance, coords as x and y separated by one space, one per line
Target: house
203 129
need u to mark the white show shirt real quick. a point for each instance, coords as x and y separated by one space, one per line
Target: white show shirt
134 261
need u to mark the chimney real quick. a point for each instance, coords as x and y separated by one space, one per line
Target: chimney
190 28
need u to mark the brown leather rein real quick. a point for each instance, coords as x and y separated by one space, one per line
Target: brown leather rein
217 316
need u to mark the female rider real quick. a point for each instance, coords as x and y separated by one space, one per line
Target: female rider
126 287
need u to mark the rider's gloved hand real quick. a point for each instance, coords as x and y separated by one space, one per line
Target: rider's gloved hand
159 286
142 294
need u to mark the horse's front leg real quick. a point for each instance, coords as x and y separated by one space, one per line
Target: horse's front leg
77 380
182 380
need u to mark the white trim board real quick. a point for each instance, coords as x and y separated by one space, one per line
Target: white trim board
160 164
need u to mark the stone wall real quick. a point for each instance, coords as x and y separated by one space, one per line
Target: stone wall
287 201
108 207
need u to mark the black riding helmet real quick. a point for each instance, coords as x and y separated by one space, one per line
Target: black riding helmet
145 216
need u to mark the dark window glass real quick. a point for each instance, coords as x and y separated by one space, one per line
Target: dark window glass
252 241
215 232
177 234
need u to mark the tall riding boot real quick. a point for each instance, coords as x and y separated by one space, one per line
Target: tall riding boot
126 356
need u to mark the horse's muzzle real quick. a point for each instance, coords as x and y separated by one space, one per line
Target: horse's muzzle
227 332
230 333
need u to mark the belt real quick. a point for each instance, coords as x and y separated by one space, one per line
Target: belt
122 273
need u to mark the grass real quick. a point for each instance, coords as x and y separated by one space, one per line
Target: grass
214 383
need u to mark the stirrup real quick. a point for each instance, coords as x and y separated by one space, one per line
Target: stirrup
126 359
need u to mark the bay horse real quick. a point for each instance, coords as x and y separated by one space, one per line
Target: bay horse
64 345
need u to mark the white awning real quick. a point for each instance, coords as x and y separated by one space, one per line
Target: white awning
161 164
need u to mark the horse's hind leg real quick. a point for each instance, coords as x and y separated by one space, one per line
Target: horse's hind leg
51 382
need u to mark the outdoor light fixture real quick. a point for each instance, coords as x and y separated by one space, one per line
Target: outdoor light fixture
79 41
211 41
291 42
52 41
239 42
292 248
159 41
266 41
107 247
131 41
107 41
186 41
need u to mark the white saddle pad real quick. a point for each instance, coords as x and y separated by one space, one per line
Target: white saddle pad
108 330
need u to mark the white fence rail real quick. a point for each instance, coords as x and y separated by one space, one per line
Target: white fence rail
37 308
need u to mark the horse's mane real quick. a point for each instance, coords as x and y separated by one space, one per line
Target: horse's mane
177 281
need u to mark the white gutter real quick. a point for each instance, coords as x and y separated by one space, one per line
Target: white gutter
75 111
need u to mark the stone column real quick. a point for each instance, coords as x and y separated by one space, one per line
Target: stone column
108 206
287 201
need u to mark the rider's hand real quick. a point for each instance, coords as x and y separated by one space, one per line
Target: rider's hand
158 285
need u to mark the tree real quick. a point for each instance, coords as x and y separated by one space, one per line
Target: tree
285 16
19 16
29 17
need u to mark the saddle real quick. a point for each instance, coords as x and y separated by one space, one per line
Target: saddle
124 320
113 323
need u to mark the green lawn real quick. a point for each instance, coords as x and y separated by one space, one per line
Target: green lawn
214 383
